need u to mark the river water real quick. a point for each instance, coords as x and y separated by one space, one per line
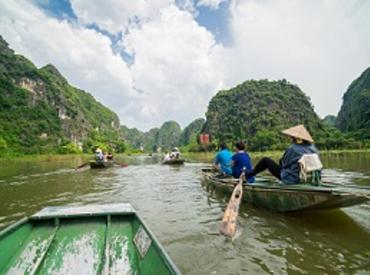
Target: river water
185 217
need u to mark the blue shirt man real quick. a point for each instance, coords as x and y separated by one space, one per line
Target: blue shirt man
241 160
223 159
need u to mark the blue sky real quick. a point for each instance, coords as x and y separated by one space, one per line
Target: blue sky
158 60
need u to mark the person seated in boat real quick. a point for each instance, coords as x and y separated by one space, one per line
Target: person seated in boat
167 156
109 156
241 162
175 153
223 160
288 168
99 154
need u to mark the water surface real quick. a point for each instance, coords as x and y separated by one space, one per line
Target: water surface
184 214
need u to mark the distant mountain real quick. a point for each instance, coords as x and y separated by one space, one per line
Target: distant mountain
354 115
330 120
192 130
41 112
257 111
166 137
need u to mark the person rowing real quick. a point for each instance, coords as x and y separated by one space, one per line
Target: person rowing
288 169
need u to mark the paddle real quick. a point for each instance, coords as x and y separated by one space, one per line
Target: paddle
228 223
121 164
82 165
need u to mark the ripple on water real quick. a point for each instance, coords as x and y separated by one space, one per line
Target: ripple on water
184 214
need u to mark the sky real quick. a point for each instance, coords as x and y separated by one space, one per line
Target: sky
156 60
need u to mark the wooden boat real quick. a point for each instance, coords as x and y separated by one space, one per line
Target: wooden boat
101 164
286 198
95 239
173 162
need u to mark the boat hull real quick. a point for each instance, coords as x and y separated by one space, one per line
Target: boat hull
174 162
101 164
288 198
99 239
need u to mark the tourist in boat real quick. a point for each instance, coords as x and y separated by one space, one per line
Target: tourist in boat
99 154
288 168
175 153
167 157
110 156
241 162
223 160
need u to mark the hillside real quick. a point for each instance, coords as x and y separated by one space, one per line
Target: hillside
192 131
257 111
166 137
40 112
354 115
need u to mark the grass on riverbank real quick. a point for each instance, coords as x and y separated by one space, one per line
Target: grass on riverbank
189 155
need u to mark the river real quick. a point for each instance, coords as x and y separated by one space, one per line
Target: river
185 217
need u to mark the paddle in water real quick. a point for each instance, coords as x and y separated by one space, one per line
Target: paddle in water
228 223
121 164
82 165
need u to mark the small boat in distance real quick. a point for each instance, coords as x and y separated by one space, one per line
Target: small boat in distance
92 239
101 164
287 198
173 161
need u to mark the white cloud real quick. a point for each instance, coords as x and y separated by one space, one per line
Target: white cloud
321 46
214 4
82 55
116 15
174 66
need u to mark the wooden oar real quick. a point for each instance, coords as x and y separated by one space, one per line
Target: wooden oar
228 223
82 165
121 164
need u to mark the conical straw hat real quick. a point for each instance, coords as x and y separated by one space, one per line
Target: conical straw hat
299 131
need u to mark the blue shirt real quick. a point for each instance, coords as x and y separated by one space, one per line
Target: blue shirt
289 162
224 159
241 160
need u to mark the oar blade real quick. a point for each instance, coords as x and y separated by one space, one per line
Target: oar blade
229 221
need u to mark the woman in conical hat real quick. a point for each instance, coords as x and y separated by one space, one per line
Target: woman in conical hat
288 168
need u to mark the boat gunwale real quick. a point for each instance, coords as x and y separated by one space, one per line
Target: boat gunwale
167 261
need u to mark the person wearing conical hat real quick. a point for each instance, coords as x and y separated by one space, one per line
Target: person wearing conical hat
287 170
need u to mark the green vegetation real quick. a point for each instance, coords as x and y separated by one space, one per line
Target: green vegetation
192 131
330 120
257 112
41 113
165 137
354 115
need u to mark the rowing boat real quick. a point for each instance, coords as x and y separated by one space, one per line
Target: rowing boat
173 162
101 164
286 198
94 239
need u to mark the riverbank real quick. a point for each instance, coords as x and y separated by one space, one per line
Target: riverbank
198 156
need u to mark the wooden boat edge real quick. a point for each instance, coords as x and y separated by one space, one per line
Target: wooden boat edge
62 214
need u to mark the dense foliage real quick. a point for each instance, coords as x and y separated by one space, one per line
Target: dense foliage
40 112
192 131
330 120
257 111
354 115
165 137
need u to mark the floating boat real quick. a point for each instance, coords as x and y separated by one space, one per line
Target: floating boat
101 164
95 239
286 198
173 162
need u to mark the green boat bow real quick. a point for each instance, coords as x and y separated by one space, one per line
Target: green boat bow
97 239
